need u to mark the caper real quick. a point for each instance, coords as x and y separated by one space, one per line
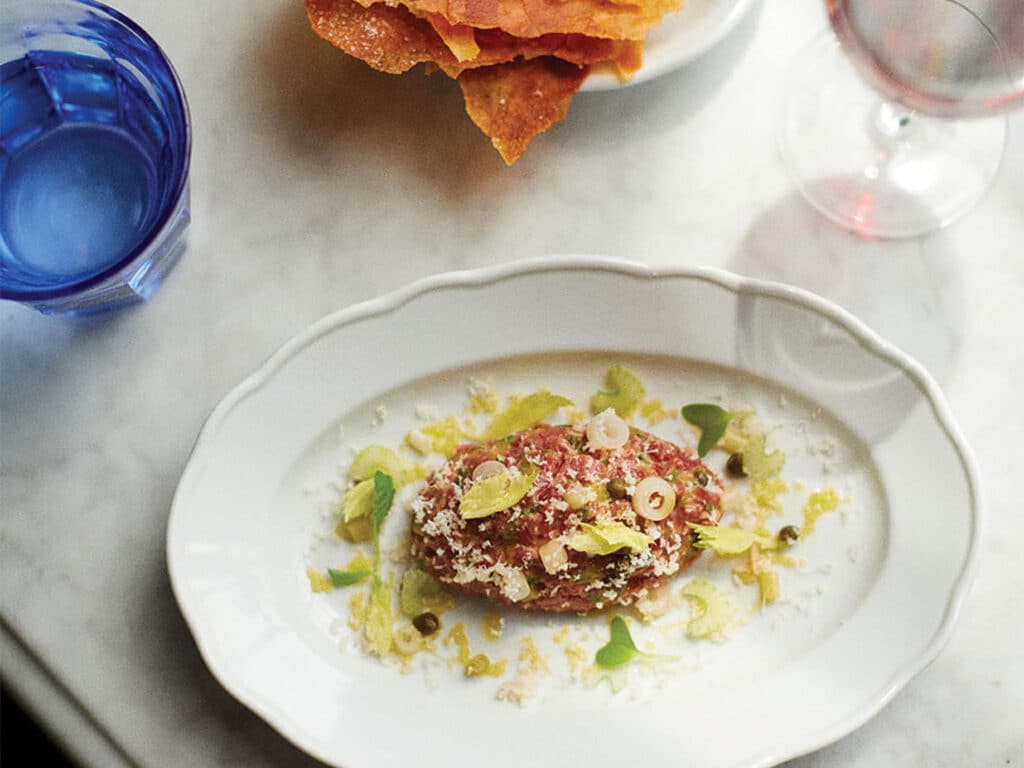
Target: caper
426 623
478 665
616 488
788 534
700 476
734 466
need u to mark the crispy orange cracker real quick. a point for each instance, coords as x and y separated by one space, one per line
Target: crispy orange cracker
613 19
514 87
626 55
460 39
392 40
388 39
514 102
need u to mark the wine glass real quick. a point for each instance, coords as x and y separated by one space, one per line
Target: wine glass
919 147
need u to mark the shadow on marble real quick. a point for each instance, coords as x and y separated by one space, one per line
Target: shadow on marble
39 354
601 120
910 291
227 731
326 106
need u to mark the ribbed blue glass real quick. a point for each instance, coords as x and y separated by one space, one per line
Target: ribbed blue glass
94 157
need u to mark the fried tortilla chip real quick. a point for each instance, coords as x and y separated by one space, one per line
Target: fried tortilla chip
626 55
622 20
460 39
392 40
514 102
514 87
388 39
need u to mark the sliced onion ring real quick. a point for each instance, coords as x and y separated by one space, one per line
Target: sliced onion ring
654 499
487 469
607 430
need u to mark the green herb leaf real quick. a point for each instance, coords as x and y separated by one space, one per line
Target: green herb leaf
620 649
383 496
379 619
611 656
620 634
347 578
712 421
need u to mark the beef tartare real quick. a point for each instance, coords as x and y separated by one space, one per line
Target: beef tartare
564 518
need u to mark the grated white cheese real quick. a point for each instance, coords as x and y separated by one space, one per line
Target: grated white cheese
509 580
532 666
420 506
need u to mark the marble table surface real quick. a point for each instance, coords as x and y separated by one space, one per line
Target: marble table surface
318 183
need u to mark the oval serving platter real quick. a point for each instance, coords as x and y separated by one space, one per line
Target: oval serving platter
874 602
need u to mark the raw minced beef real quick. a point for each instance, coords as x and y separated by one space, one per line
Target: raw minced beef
500 556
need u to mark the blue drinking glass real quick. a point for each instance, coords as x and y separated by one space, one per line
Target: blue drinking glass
95 144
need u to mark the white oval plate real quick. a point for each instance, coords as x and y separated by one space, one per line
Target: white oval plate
678 40
244 519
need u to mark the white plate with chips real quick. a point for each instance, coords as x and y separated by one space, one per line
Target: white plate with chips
247 515
678 40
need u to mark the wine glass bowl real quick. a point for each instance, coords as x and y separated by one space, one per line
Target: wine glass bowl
898 158
944 58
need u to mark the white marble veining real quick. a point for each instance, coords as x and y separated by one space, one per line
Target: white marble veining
318 183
